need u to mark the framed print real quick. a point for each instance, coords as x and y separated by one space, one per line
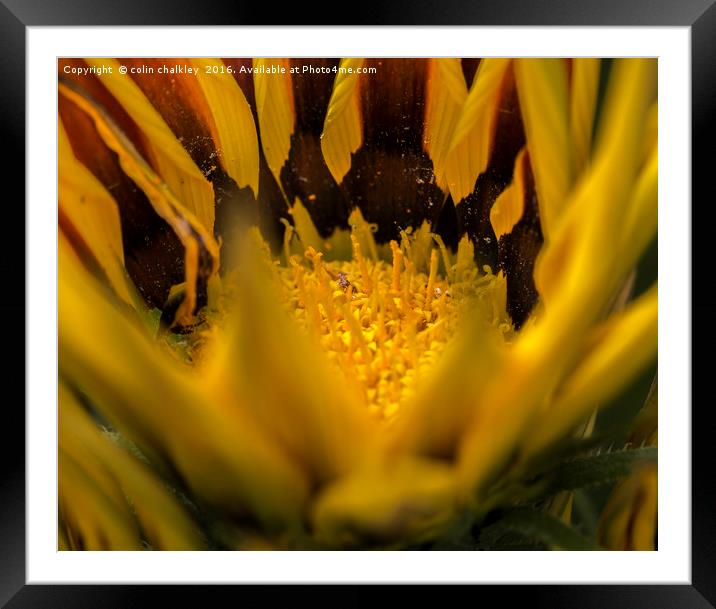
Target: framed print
359 304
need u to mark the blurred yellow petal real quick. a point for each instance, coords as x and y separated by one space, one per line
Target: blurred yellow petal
342 130
575 258
163 521
92 213
285 380
582 278
63 541
629 519
628 344
276 114
651 132
561 506
407 500
233 123
512 399
92 519
640 222
446 94
544 103
328 397
504 412
510 204
469 150
95 469
171 160
175 421
645 431
584 87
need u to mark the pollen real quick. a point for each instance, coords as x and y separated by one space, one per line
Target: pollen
384 322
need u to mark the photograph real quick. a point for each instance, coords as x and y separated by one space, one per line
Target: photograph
357 303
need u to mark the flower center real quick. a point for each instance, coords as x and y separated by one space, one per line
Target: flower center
384 324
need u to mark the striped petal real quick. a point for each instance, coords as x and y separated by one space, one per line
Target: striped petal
342 131
446 94
232 123
510 204
276 114
201 256
168 156
470 146
373 142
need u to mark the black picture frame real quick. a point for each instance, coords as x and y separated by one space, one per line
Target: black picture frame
17 15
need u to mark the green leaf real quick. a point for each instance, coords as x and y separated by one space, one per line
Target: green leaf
598 469
536 526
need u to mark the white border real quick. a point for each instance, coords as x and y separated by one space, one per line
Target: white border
670 564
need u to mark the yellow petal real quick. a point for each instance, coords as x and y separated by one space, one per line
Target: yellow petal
201 252
575 260
171 160
446 93
63 541
641 219
92 213
645 521
510 204
544 103
285 380
651 131
584 87
274 107
306 229
576 276
405 501
465 258
629 519
93 520
233 123
560 506
342 130
645 430
505 409
628 344
469 150
180 423
163 521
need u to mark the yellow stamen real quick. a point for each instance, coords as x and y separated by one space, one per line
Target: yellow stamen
431 280
384 325
397 261
358 255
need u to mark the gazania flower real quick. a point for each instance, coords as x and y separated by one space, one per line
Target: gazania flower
355 303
